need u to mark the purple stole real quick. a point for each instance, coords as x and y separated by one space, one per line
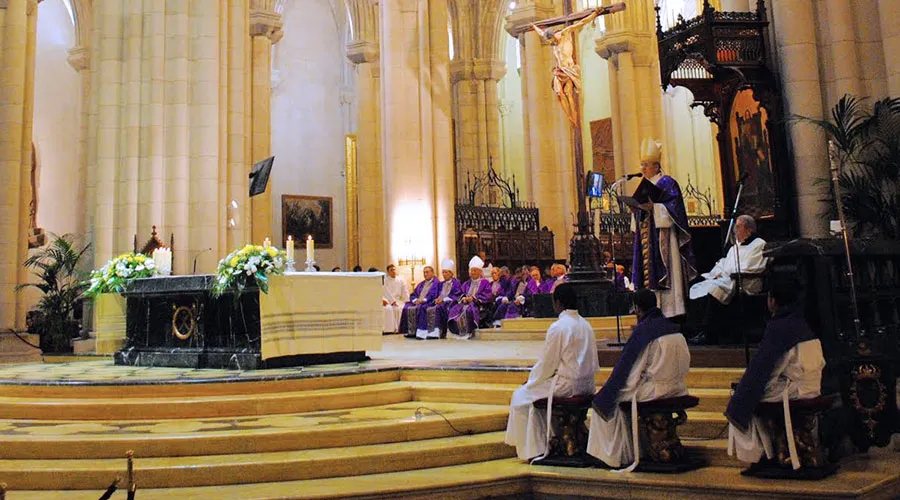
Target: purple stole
648 268
449 288
423 290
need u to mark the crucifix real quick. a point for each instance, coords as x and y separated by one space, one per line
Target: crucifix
567 86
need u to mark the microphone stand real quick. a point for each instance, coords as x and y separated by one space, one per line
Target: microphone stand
197 257
730 236
612 255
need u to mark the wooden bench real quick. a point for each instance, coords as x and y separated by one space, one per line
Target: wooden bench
568 431
658 422
805 414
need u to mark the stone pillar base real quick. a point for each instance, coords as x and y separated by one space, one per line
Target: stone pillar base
13 350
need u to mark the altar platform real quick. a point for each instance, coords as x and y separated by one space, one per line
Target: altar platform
343 431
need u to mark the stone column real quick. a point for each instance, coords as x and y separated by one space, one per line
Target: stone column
794 25
547 136
363 51
444 192
265 30
843 48
888 14
407 180
12 107
79 60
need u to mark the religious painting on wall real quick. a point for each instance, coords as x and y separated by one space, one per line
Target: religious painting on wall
752 154
602 148
302 216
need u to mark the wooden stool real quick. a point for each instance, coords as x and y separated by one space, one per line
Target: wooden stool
805 423
658 422
569 434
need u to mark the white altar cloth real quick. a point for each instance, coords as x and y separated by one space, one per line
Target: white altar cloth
317 313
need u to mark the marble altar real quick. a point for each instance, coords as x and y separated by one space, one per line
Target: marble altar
307 318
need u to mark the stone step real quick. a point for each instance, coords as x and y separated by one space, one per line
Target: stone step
511 478
535 324
215 470
603 334
268 433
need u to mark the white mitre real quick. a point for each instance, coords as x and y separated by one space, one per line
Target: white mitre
651 151
448 265
476 263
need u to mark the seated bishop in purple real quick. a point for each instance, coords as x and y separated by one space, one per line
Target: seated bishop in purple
466 313
558 276
518 295
438 310
413 316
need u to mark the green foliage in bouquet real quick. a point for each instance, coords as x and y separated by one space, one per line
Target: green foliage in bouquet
249 265
115 276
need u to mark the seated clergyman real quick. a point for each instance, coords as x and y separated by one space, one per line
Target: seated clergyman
653 365
787 365
558 276
518 293
394 300
465 314
438 312
718 287
413 317
565 368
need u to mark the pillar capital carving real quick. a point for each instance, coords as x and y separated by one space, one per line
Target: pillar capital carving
265 20
642 46
363 46
527 12
477 69
79 58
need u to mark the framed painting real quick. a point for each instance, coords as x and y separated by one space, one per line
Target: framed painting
302 216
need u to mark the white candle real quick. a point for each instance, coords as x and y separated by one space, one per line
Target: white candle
290 248
310 249
162 257
267 242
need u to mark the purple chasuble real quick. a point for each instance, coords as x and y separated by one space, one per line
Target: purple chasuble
512 310
414 314
647 256
464 318
437 312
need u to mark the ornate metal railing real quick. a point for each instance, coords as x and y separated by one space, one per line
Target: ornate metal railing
470 217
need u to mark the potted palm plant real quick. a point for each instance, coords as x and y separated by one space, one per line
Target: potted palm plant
866 143
55 268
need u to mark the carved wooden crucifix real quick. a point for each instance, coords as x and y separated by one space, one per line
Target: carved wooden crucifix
567 78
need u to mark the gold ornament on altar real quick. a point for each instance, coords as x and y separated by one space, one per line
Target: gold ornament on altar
184 321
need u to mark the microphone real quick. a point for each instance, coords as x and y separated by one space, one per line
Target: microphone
632 176
197 256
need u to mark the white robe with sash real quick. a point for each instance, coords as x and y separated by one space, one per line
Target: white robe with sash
797 376
565 368
659 372
718 282
395 292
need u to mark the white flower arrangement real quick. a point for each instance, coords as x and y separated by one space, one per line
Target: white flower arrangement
115 276
253 262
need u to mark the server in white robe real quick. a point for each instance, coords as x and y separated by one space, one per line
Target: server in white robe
566 367
396 295
787 366
653 365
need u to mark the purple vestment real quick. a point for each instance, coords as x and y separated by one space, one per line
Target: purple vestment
657 277
449 292
465 318
414 314
511 310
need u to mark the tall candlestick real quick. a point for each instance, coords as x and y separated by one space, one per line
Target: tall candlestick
290 248
310 248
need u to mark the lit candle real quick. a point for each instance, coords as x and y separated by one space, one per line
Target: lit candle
290 248
267 242
310 248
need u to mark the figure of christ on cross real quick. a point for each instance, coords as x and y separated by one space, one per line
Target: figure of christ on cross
567 73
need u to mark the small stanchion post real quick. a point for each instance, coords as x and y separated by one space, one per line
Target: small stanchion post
130 474
112 489
2 491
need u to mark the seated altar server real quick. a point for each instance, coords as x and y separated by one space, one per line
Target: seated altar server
788 365
413 317
514 303
437 313
565 368
653 365
396 294
718 287
466 313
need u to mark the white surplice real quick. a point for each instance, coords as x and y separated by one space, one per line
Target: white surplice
797 376
659 372
565 368
718 282
396 294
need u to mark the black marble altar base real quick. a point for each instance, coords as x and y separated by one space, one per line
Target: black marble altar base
227 359
176 322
